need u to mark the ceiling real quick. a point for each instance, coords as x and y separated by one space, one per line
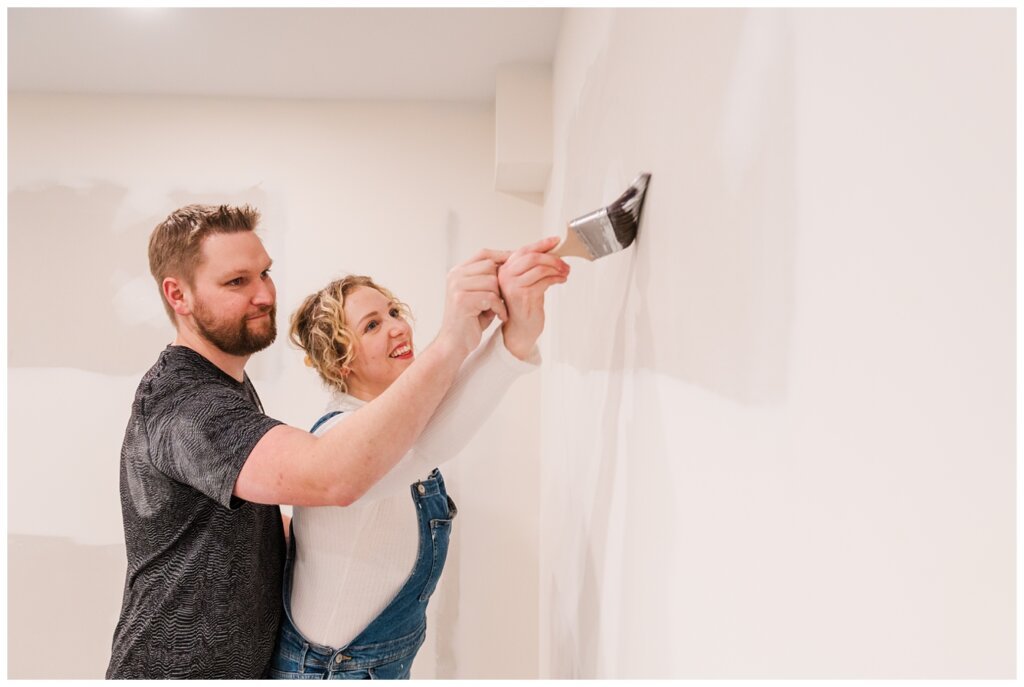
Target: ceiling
345 53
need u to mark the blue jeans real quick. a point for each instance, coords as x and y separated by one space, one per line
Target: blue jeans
388 645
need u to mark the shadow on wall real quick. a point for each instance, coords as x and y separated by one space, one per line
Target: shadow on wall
45 577
615 556
704 100
713 121
81 293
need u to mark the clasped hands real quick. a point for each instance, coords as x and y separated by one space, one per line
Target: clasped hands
509 285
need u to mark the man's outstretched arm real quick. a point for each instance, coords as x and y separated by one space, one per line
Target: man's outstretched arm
291 466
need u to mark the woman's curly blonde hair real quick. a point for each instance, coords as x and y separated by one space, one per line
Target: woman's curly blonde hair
318 327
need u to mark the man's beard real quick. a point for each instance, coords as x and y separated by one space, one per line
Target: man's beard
234 338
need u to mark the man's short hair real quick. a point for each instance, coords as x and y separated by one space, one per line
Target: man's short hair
175 246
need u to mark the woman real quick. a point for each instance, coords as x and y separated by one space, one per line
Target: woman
359 578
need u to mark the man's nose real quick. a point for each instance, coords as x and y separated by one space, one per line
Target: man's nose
264 293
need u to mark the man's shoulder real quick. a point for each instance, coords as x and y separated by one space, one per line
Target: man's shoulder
179 374
184 359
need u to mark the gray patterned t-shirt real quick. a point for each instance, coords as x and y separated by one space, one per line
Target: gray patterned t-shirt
202 595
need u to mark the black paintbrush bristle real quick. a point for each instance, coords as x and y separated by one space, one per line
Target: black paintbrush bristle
624 213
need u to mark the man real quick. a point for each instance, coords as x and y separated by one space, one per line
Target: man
202 468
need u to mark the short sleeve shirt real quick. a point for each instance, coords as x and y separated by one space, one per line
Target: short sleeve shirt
202 593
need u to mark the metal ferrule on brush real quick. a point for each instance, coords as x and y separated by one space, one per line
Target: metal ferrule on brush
596 232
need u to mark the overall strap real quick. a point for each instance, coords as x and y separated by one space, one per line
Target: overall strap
324 419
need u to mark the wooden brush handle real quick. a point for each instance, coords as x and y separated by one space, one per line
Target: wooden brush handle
571 247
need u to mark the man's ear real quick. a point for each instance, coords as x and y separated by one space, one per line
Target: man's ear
175 293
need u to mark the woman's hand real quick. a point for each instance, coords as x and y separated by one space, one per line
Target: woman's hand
523 278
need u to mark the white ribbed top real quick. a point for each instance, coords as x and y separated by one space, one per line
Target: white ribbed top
351 562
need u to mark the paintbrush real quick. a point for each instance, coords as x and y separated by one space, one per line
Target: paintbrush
607 230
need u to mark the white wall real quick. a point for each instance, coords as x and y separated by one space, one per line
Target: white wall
400 192
778 433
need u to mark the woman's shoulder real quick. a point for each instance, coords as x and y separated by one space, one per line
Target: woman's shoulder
337 407
320 425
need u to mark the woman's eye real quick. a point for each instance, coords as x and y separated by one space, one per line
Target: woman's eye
395 312
237 281
372 325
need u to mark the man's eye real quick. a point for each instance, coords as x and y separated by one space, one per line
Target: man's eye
237 281
266 273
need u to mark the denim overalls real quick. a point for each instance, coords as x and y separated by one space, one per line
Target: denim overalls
386 647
